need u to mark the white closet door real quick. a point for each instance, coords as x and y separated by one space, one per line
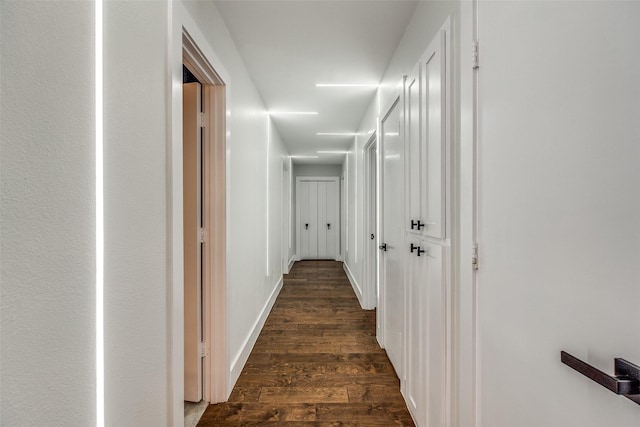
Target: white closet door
416 384
323 250
313 220
318 206
332 224
435 153
434 304
302 194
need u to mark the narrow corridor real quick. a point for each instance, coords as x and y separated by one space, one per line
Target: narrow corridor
316 362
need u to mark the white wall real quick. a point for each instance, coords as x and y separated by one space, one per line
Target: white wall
47 214
559 209
316 170
135 210
256 153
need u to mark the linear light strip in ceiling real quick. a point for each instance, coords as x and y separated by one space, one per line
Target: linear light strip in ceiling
99 144
293 113
361 85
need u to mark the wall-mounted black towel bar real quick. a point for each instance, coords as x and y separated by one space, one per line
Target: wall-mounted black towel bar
625 381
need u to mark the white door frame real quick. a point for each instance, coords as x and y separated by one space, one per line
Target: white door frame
287 206
466 388
190 47
371 253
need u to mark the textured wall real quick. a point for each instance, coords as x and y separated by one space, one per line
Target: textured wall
47 214
135 208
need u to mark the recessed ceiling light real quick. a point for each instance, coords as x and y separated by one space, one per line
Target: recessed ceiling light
292 113
368 85
336 134
333 152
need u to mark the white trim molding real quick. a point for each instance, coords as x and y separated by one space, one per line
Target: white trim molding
354 283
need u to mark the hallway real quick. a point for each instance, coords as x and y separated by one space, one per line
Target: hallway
316 361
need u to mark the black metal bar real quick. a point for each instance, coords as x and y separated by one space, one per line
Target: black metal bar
631 370
626 381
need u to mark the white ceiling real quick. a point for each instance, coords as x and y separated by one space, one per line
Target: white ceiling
289 46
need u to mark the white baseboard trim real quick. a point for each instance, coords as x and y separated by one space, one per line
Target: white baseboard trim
239 361
354 283
291 262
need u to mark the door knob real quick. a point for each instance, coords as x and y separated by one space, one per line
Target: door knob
328 226
306 226
625 381
383 247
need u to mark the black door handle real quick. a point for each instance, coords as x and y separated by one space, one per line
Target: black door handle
625 381
328 226
306 226
417 224
373 237
413 248
420 250
383 247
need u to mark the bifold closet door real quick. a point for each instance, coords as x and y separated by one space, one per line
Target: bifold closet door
318 207
327 219
307 193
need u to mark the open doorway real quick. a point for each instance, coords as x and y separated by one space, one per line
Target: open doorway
204 243
287 241
195 343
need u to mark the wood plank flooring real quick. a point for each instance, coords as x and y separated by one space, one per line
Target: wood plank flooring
316 362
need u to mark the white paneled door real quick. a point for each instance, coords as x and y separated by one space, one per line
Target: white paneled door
392 238
318 217
559 210
428 293
426 334
426 142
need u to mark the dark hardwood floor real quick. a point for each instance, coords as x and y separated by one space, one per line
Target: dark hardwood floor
316 362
